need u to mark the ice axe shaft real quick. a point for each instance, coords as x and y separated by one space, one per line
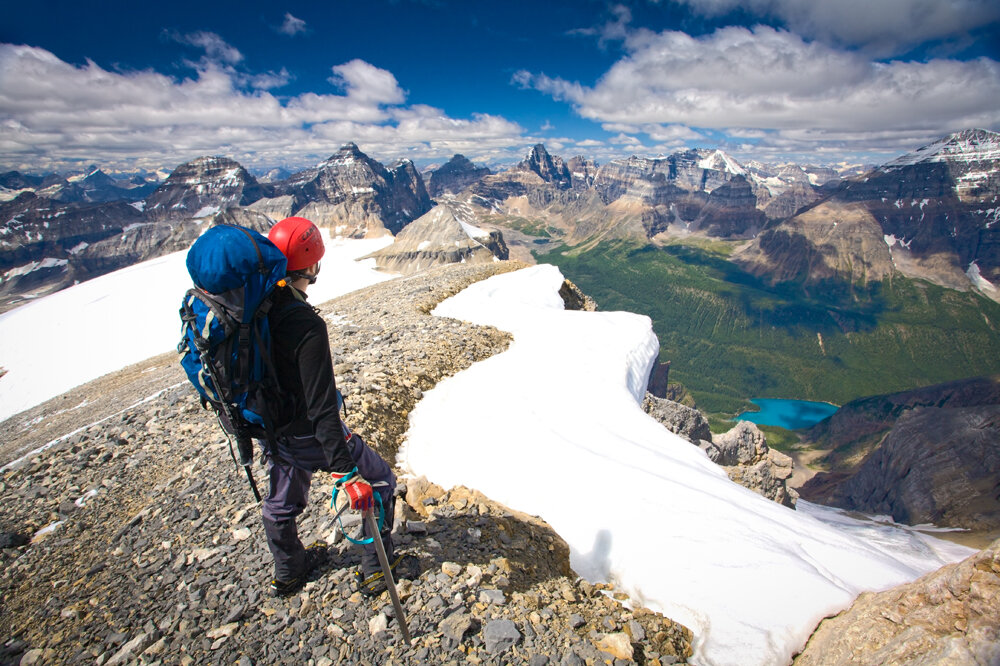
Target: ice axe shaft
383 560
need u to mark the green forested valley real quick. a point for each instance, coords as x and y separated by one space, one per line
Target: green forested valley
730 337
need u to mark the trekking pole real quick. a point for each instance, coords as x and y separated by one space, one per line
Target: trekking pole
369 518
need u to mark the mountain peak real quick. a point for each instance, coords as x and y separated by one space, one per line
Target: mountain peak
971 145
538 151
551 169
455 175
458 162
720 161
348 154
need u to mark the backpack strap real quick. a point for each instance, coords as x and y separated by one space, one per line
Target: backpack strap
286 308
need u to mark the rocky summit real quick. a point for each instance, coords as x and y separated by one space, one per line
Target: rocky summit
454 176
356 195
448 234
202 187
129 537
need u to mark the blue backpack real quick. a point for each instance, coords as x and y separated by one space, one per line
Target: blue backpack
225 336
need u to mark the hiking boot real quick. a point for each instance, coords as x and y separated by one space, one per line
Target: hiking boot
405 567
316 554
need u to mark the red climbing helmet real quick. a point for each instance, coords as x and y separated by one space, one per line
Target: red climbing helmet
299 240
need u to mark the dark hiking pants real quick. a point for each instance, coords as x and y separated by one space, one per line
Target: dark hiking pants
288 496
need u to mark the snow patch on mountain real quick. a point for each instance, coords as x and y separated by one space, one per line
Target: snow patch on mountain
31 267
978 280
206 211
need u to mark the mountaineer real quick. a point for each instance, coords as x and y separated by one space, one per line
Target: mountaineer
310 435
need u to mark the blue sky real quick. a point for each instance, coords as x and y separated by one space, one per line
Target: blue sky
143 85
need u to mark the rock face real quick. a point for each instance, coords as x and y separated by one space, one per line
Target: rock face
582 171
930 455
830 241
356 196
742 452
162 542
276 208
781 191
203 187
936 465
574 299
731 211
446 235
550 169
934 211
690 191
748 461
854 430
950 616
681 420
44 245
456 175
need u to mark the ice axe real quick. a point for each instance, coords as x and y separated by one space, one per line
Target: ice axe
368 515
390 584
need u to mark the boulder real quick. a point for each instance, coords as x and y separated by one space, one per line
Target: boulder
684 421
744 454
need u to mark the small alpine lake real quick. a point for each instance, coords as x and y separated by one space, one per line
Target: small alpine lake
788 414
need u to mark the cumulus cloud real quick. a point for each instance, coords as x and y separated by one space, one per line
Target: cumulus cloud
368 83
768 79
292 25
880 27
53 113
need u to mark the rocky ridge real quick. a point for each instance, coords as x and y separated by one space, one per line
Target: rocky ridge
130 538
357 196
46 245
448 234
929 455
950 616
53 238
936 465
934 212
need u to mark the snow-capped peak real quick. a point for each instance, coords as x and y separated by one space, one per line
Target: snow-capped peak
720 161
973 145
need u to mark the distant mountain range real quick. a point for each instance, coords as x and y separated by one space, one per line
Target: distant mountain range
929 214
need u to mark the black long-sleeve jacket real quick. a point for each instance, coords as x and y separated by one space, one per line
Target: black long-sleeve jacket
310 435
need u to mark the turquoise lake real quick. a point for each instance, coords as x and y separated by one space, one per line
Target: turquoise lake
788 414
